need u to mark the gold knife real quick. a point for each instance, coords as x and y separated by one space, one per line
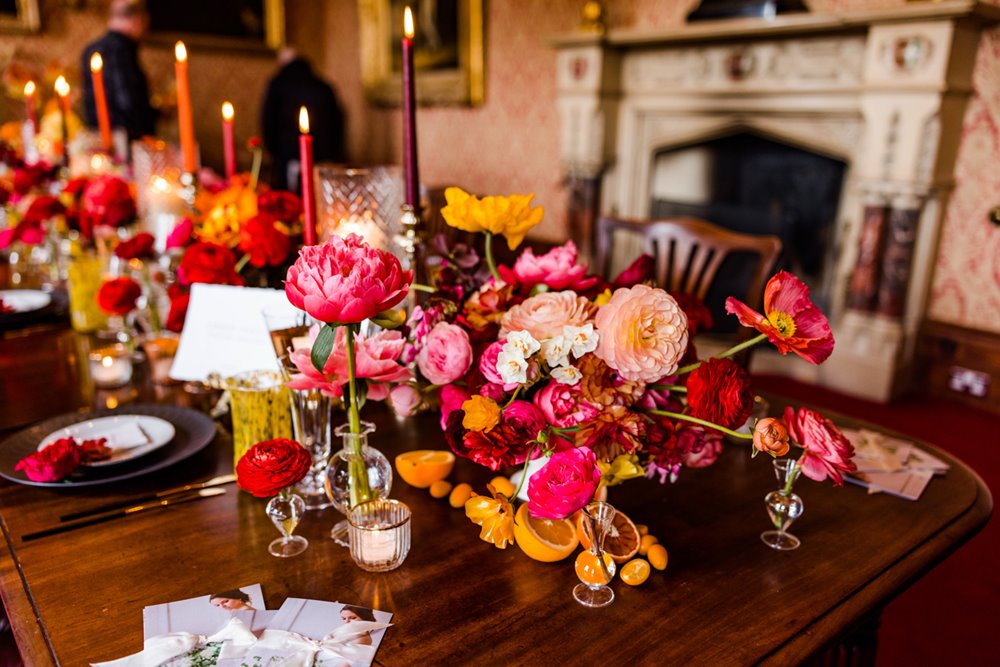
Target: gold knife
134 509
221 480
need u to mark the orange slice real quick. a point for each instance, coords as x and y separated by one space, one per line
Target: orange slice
621 542
547 540
423 467
635 572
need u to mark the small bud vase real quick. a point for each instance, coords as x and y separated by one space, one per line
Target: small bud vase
285 511
783 506
355 462
594 567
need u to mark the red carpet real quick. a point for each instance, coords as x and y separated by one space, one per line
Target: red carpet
949 617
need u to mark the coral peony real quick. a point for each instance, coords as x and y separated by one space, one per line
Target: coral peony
118 296
563 405
791 320
510 216
345 280
565 484
544 315
719 392
828 452
771 436
643 333
376 361
557 269
446 354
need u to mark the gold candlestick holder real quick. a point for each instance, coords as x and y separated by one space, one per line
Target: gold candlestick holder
408 238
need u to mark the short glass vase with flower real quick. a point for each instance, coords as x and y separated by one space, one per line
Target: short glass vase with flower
270 469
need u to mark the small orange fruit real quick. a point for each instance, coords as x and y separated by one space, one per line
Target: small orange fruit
635 572
622 541
423 467
440 488
646 542
642 528
657 556
589 570
504 486
547 540
459 495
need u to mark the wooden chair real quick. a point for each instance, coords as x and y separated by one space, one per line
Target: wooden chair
689 252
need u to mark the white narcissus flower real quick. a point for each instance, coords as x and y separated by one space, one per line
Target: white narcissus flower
523 342
582 339
512 366
567 375
556 351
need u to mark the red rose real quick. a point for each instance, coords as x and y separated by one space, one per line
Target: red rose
53 463
254 143
719 392
272 465
179 300
639 271
118 296
263 241
43 208
206 262
107 200
139 246
282 206
31 176
698 315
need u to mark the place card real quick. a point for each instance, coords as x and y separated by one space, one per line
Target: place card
204 615
891 465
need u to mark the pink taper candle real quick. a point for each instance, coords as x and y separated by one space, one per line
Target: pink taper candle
228 140
29 105
410 170
308 194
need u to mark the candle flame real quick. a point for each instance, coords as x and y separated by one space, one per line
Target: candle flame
180 52
408 23
96 62
107 362
227 111
161 184
303 120
29 89
62 86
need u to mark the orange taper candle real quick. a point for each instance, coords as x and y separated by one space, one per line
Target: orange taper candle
101 100
185 119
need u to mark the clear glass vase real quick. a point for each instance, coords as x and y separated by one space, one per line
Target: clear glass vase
594 567
285 511
783 506
355 474
311 425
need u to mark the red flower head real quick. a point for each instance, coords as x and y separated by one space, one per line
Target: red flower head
108 200
263 241
719 392
139 246
698 314
42 209
206 262
272 465
118 296
639 271
31 176
53 463
281 205
179 300
504 445
792 322
827 452
254 143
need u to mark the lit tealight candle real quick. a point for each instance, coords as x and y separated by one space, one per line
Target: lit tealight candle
111 367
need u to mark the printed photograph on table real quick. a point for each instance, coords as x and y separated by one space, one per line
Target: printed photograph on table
207 614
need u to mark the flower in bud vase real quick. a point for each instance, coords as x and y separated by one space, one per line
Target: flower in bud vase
268 470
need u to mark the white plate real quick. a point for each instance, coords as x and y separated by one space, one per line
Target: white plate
129 436
25 300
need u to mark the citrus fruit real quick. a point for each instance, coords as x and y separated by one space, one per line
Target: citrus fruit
621 541
459 495
589 570
642 528
646 542
440 488
423 467
657 556
635 572
547 540
504 486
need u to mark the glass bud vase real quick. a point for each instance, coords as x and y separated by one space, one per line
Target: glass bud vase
783 506
285 510
347 466
311 424
594 567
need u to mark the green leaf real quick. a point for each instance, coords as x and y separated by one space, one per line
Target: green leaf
323 346
390 319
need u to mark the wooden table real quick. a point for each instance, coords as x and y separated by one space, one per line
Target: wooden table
725 599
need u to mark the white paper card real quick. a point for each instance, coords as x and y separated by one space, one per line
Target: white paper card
225 332
206 614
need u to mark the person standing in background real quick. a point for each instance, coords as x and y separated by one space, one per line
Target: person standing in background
297 85
126 84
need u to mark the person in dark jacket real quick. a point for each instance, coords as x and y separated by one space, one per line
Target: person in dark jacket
125 82
296 85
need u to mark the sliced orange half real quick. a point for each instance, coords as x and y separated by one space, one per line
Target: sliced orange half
621 542
547 540
423 467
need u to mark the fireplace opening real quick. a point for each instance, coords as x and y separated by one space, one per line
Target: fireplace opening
753 184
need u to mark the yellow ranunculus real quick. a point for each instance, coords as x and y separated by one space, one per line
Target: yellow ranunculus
625 466
481 413
510 216
495 515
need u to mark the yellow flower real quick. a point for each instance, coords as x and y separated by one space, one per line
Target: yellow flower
225 211
603 297
510 216
495 515
625 466
481 413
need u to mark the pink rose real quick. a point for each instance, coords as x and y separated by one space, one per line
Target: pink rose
446 354
566 483
493 391
563 405
828 452
643 333
181 234
451 399
557 269
545 315
701 446
345 280
52 463
404 400
376 362
488 365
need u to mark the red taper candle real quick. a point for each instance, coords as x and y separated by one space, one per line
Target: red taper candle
410 170
228 139
308 194
62 90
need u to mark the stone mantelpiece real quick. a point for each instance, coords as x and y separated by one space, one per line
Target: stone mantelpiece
883 90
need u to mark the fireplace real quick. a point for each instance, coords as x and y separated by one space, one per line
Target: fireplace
837 132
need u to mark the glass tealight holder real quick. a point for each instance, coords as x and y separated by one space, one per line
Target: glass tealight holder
380 534
111 366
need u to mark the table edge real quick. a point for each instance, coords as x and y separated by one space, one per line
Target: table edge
32 641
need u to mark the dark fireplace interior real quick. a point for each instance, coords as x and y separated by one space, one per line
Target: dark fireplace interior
760 186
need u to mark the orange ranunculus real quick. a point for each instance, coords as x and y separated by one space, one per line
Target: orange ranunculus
481 413
771 436
495 515
225 212
510 216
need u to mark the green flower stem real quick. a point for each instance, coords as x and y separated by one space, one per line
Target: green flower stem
524 472
417 287
702 422
675 388
258 155
489 257
728 353
243 262
360 489
154 311
792 475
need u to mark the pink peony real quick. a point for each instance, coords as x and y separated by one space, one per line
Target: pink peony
557 269
828 452
545 315
493 391
404 400
563 406
446 354
345 280
451 399
566 483
376 362
701 446
52 463
643 333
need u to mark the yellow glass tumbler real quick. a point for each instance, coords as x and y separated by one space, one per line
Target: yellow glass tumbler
259 403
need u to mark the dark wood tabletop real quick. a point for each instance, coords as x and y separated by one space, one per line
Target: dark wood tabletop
725 598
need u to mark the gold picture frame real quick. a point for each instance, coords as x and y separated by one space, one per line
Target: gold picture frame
19 16
264 23
449 53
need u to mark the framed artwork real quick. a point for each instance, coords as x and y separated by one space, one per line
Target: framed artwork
448 51
19 16
226 24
